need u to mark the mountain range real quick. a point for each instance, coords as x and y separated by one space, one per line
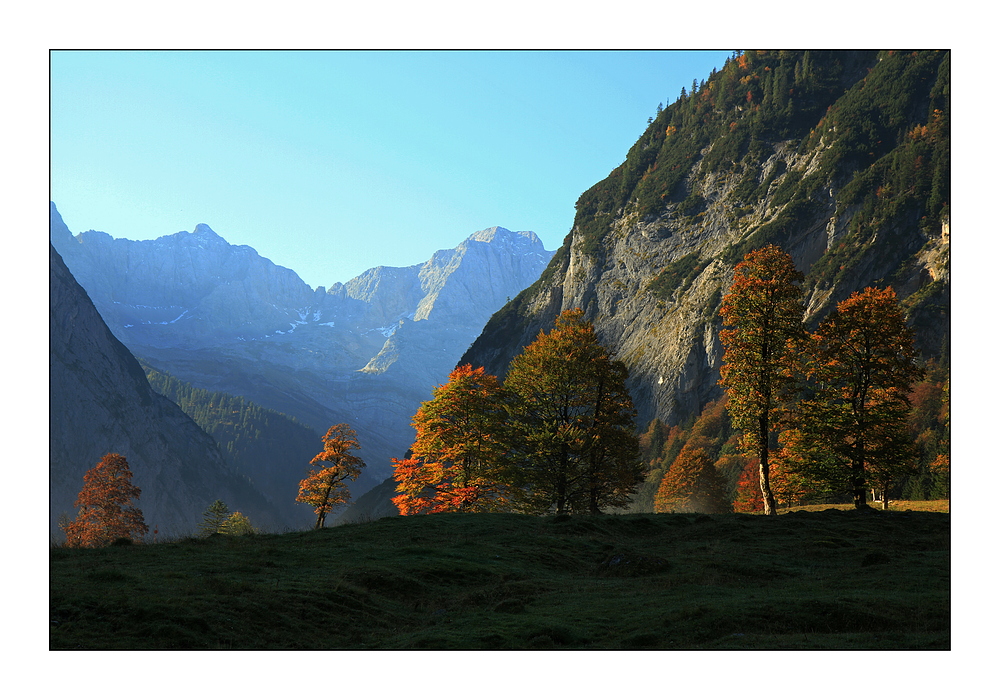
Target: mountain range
366 353
842 158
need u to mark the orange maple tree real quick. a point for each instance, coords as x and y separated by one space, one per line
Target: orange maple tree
763 315
576 448
853 431
326 488
456 460
106 512
692 484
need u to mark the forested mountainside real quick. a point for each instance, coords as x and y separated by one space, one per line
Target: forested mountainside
268 448
842 158
101 402
366 352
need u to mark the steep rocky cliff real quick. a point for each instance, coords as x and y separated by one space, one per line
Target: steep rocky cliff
366 352
100 402
840 157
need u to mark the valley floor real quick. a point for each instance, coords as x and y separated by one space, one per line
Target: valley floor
828 579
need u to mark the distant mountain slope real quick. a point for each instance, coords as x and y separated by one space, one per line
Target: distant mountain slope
366 352
268 448
100 402
840 157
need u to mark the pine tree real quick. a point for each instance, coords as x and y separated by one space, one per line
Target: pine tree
213 518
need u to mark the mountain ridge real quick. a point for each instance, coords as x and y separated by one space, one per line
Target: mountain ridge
840 157
366 352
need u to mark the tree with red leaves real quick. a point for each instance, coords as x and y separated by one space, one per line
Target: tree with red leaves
692 485
455 463
326 488
106 512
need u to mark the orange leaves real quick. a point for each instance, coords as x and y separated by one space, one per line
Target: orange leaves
762 314
692 484
458 449
433 487
556 433
105 502
863 368
326 488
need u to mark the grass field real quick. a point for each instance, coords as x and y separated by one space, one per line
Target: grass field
943 506
827 579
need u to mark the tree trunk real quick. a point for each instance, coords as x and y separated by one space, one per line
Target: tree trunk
858 486
765 468
562 484
595 509
322 514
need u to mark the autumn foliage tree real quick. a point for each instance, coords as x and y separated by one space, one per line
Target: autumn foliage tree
326 488
790 488
763 315
106 511
692 484
930 431
237 524
455 463
853 430
572 423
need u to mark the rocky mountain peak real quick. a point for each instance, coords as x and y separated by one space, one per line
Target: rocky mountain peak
498 235
366 352
201 236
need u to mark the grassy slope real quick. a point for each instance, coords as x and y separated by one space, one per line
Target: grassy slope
831 579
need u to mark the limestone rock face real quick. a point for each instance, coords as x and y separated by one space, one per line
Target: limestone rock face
100 402
805 191
366 352
671 345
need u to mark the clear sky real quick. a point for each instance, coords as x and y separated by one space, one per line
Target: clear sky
332 162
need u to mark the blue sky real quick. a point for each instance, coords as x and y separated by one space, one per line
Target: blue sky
332 162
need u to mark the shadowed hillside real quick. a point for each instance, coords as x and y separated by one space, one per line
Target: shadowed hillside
805 580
